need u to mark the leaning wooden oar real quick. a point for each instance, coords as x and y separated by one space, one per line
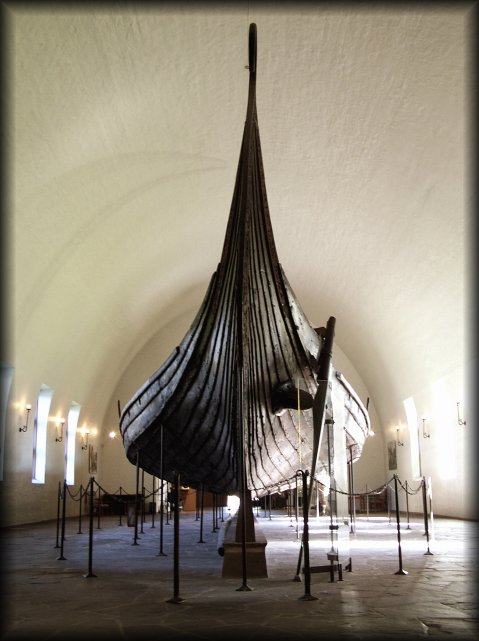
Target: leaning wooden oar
319 414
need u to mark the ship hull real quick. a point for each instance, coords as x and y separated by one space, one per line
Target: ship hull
233 405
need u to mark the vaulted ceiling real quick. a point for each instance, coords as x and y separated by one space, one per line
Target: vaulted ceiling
124 131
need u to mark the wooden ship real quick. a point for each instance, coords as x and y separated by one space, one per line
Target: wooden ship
242 401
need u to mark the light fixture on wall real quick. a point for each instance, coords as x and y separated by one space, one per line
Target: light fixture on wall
460 421
398 441
112 434
424 433
24 427
59 422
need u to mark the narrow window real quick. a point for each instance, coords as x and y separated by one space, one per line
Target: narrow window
5 382
412 422
72 422
40 434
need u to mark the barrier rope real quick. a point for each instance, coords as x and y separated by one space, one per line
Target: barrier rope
94 490
419 488
80 491
373 492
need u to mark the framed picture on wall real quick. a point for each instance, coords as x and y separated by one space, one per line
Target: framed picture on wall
392 455
92 460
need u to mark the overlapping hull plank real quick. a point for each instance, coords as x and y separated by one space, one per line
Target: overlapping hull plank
230 391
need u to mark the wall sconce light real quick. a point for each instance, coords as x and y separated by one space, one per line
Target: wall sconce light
24 428
398 441
60 422
424 433
112 434
459 419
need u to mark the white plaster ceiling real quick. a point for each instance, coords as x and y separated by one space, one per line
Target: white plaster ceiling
124 136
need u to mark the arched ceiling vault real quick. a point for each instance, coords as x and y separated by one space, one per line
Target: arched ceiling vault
124 136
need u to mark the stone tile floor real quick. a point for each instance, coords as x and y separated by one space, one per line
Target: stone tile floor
46 598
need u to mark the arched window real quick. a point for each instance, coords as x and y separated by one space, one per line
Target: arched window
72 422
40 434
412 422
6 372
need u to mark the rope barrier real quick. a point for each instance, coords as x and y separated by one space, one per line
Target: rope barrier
94 490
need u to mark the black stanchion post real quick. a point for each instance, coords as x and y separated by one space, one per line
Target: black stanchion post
162 503
57 544
348 467
79 511
62 538
98 509
400 571
352 501
332 528
214 512
424 503
142 501
167 503
388 497
269 496
197 505
296 509
407 506
176 545
137 497
90 532
201 512
290 506
307 596
352 490
122 507
153 504
297 576
161 553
